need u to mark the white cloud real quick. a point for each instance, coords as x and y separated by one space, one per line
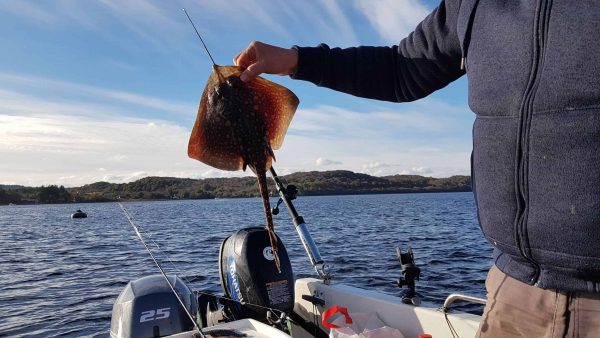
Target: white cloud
417 171
375 165
162 26
249 14
326 162
42 149
93 138
124 178
217 173
154 22
392 19
68 150
329 121
53 141
324 20
148 19
335 23
24 103
429 137
117 158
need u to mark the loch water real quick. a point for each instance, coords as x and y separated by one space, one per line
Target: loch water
60 276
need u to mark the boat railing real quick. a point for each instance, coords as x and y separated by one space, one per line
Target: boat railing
459 297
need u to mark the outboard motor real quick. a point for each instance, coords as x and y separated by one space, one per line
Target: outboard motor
147 307
250 277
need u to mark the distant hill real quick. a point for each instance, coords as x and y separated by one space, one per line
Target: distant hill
339 182
11 187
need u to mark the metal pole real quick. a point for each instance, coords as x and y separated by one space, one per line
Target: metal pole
305 237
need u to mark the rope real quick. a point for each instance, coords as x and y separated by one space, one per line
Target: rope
452 329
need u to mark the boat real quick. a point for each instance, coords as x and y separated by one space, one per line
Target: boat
79 214
260 301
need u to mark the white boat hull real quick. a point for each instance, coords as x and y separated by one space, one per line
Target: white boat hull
410 320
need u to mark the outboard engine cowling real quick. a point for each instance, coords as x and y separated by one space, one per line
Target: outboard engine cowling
147 308
249 274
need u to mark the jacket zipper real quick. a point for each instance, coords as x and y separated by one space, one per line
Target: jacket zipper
540 28
467 34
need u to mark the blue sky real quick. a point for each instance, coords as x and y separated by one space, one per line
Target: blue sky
108 90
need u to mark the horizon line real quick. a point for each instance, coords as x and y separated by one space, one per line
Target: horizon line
231 177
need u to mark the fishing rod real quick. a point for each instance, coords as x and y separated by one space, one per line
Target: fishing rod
201 40
136 228
139 232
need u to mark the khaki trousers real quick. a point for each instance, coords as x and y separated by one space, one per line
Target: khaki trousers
516 309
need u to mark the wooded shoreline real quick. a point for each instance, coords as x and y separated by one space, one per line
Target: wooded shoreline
314 183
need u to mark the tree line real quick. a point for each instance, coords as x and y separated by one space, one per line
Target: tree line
43 194
337 182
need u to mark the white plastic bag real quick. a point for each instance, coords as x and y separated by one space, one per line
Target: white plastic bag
357 325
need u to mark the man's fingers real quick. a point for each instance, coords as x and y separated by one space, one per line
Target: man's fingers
236 58
252 71
260 58
245 58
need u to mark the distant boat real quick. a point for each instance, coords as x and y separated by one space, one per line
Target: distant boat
79 214
11 204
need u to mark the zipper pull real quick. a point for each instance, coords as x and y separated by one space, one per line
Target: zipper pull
462 63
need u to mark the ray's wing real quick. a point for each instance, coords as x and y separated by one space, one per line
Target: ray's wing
208 143
277 105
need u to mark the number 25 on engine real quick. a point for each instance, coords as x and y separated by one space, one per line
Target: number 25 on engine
155 314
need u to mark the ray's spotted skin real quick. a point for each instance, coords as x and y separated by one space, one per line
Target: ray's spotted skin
239 124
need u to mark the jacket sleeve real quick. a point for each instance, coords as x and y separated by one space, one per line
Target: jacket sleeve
427 60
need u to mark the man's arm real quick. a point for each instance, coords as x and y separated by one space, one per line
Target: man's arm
427 60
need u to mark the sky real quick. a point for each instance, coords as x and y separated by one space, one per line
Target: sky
108 90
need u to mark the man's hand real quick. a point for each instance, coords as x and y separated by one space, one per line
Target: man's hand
260 58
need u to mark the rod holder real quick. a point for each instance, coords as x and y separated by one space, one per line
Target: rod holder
322 269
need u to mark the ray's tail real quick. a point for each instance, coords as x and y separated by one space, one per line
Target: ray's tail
264 193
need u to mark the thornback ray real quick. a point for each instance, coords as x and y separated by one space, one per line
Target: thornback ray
239 124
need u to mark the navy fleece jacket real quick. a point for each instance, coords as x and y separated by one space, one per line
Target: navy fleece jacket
534 84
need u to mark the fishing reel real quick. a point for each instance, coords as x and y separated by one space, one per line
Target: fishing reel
410 273
291 192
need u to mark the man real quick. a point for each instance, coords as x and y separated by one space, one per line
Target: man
534 84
